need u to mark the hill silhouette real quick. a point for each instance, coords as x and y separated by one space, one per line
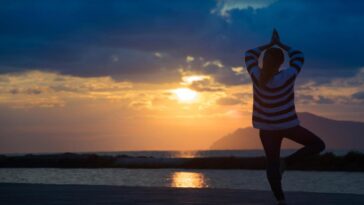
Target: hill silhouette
337 134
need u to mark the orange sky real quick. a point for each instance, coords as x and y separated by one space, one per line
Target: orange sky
47 112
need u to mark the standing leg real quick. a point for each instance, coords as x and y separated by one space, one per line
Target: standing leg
312 144
272 144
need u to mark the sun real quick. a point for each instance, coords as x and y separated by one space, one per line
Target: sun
185 94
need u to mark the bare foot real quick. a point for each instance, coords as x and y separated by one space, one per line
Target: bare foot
281 202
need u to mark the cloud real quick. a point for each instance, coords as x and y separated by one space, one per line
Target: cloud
325 100
346 90
358 95
222 74
29 91
235 99
228 101
316 99
206 85
149 41
49 89
102 38
225 6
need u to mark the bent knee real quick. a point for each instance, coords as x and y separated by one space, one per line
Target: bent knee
321 146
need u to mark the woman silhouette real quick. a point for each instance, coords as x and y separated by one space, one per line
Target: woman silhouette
274 109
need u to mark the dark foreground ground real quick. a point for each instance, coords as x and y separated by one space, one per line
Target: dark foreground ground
29 194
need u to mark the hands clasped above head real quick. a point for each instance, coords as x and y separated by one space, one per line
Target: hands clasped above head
276 40
275 37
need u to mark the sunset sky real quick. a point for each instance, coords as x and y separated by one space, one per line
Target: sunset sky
161 74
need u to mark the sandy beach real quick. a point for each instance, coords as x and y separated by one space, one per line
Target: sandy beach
29 194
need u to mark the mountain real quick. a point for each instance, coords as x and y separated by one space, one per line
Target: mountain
337 134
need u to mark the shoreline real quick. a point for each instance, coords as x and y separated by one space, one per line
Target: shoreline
351 162
16 194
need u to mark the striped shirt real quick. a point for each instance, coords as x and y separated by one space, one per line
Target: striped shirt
274 107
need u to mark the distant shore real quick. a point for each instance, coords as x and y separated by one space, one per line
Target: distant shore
35 194
352 161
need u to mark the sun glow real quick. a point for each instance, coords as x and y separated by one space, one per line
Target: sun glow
188 179
185 94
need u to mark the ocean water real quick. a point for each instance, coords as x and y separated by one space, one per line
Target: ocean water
309 181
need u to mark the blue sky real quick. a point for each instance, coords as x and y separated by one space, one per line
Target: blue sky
120 38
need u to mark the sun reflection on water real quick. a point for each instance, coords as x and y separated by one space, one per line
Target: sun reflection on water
188 179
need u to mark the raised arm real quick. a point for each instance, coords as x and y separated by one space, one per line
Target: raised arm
296 57
252 56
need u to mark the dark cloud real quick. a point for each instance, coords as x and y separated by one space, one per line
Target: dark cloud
65 88
120 38
324 100
310 99
358 95
14 91
28 91
228 101
243 95
117 38
221 73
205 86
236 98
305 99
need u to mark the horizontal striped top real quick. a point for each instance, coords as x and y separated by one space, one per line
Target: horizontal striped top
274 107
